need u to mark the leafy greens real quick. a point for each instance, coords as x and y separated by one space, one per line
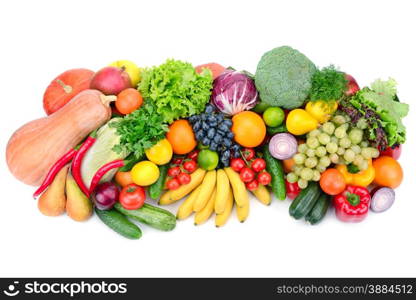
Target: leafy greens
176 89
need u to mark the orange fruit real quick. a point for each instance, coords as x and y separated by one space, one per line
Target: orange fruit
248 128
123 178
181 137
388 172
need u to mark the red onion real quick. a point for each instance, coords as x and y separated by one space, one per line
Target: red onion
283 146
382 199
105 195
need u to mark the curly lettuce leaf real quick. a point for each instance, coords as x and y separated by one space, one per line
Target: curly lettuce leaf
176 89
380 98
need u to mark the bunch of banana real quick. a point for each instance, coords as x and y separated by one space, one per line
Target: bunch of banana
212 192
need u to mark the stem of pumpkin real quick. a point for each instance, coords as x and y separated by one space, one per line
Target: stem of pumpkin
106 100
67 88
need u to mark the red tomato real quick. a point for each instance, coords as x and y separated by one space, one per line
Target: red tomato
249 153
253 185
173 184
247 174
193 155
174 171
259 164
292 190
332 182
237 164
177 160
264 178
190 166
394 152
132 196
184 178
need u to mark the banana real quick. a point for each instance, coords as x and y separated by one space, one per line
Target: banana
263 194
223 189
242 212
239 188
203 215
186 208
165 199
183 190
207 187
221 219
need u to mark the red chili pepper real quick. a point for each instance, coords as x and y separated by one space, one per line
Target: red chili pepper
292 189
66 158
352 204
104 170
77 161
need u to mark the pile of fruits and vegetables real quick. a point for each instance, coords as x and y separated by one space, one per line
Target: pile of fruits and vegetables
124 140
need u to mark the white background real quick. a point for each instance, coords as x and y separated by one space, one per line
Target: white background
40 39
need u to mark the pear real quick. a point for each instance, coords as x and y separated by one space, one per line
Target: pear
52 201
299 122
78 206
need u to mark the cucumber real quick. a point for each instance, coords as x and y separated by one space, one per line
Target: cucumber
305 201
275 168
119 223
278 129
319 210
150 215
156 189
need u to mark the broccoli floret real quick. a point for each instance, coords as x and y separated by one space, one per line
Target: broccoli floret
284 77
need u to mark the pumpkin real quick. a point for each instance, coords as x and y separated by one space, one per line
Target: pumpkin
37 145
64 87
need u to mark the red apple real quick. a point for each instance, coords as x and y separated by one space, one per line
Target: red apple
352 85
111 80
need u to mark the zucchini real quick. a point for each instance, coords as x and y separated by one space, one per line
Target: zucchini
305 201
275 168
156 189
119 223
319 210
150 215
278 129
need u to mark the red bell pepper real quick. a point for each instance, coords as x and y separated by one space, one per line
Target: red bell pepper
292 189
393 151
352 204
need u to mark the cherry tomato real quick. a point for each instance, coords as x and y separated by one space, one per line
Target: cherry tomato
259 164
174 171
332 182
393 151
193 155
237 164
132 196
264 178
247 174
249 153
173 184
292 189
253 185
190 166
184 178
177 161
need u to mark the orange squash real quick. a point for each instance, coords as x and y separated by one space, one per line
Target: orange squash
65 87
37 145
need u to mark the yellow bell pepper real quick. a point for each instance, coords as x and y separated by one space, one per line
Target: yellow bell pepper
362 178
321 110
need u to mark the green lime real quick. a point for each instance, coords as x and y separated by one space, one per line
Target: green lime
273 116
260 107
207 159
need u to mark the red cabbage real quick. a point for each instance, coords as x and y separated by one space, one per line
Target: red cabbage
234 92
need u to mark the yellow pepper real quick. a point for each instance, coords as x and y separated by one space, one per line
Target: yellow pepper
321 110
362 178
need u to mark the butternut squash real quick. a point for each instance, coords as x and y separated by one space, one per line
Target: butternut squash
37 145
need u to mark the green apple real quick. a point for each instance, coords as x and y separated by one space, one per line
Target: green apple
131 68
